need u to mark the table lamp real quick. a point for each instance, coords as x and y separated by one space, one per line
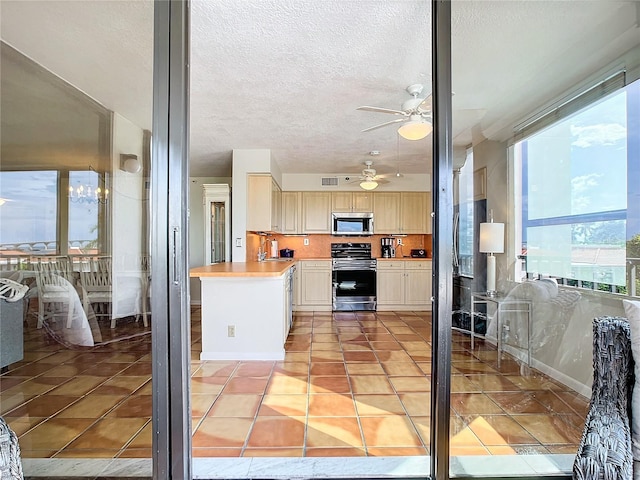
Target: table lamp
491 241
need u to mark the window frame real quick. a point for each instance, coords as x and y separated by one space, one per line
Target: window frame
519 151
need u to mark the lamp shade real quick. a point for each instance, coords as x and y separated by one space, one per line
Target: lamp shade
369 185
415 129
491 238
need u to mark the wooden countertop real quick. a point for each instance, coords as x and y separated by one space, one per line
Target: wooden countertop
240 269
380 259
261 269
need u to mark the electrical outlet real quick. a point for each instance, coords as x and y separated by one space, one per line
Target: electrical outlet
306 242
238 242
231 330
399 240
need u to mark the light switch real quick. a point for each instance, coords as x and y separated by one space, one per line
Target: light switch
238 242
306 241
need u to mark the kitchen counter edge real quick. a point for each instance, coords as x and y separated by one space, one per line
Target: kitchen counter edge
242 269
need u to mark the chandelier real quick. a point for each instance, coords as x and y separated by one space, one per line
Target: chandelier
88 194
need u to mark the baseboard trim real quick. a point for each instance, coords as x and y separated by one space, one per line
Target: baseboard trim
575 385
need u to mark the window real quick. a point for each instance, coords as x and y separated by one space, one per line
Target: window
575 190
85 198
464 218
43 215
29 212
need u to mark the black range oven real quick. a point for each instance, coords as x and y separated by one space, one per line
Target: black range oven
353 277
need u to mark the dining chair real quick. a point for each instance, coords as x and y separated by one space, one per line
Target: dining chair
55 285
10 263
96 282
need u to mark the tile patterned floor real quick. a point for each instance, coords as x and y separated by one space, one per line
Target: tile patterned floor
352 384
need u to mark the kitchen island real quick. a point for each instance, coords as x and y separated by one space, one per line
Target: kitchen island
246 309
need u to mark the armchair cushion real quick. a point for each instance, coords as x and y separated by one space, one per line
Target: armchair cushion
605 448
632 312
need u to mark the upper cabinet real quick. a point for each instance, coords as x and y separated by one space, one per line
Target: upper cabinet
352 202
402 212
269 209
386 212
276 207
263 203
291 212
316 212
415 212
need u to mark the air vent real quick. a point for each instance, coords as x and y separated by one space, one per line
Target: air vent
330 181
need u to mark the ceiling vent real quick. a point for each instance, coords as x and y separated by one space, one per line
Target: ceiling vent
329 181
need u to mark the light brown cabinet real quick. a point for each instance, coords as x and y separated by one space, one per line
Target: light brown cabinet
402 212
415 212
291 212
316 212
264 204
386 212
418 282
361 202
390 283
404 285
276 207
260 200
315 285
269 209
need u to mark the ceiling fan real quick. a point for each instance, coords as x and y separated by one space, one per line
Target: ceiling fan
416 113
369 180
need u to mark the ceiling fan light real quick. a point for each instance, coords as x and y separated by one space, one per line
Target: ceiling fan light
415 130
369 185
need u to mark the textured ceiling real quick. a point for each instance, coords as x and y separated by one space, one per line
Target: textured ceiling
289 75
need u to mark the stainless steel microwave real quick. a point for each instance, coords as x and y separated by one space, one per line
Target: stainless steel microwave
352 223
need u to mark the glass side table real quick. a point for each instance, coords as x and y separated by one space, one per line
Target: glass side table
501 305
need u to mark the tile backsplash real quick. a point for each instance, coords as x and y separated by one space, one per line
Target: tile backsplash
320 245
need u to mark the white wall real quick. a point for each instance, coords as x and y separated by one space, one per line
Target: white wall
196 227
127 210
244 161
493 156
575 358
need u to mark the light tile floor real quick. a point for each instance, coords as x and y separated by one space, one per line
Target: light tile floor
352 384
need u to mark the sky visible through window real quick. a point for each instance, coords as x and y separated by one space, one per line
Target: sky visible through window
30 213
577 168
581 161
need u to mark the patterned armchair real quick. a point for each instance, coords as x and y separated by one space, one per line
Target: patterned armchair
10 462
605 448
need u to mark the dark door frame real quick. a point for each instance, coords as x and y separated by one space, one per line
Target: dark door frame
168 246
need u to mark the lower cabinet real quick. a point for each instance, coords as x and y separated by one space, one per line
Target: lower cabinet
404 285
401 285
315 285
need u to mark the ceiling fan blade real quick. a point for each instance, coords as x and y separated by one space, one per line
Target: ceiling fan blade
382 110
381 181
426 104
384 124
